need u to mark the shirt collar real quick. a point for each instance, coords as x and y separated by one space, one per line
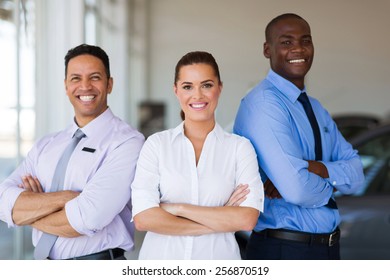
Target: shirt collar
95 126
284 86
217 131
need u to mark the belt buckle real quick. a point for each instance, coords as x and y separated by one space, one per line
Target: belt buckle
332 239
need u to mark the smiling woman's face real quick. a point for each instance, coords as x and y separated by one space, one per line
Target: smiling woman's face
198 90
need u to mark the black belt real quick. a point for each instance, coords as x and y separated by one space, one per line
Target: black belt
110 254
328 239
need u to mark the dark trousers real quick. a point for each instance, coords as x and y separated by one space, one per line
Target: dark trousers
268 248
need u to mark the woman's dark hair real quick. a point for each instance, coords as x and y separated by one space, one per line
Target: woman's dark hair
196 57
91 50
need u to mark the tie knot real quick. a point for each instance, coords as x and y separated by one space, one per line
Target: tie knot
303 98
79 134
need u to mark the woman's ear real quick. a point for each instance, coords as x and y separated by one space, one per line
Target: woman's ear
175 89
220 88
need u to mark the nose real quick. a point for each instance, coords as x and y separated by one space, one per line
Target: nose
85 84
197 93
298 47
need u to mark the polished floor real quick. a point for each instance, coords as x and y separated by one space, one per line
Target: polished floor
7 245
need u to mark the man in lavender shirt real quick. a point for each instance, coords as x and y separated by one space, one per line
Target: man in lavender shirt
91 215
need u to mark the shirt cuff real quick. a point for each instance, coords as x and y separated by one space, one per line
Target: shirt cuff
336 174
75 218
142 205
8 204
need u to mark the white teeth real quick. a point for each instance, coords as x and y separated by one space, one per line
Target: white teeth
197 106
86 97
297 61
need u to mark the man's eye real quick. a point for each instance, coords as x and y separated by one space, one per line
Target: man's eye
286 43
74 79
95 78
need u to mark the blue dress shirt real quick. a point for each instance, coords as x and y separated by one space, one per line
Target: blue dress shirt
272 118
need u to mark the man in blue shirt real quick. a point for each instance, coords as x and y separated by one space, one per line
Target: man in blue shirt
300 171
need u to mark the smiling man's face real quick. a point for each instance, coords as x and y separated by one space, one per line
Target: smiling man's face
87 87
290 49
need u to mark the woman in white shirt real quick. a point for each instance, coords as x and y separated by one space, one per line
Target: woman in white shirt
184 193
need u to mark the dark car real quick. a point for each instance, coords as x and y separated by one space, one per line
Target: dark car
351 125
365 224
365 216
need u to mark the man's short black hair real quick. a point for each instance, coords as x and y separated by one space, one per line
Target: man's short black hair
91 50
276 20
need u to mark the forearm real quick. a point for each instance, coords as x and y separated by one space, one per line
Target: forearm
159 221
57 224
220 219
31 206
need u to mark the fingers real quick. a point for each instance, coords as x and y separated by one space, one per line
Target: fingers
239 201
270 190
275 193
31 183
239 195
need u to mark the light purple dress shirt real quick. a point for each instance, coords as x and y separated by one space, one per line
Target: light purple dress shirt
103 176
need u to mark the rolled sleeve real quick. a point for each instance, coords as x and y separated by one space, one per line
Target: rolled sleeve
248 173
145 187
107 193
9 195
10 190
76 219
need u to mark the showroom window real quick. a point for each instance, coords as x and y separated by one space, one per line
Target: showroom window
17 100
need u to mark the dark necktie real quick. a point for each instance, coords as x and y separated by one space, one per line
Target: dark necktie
317 135
47 240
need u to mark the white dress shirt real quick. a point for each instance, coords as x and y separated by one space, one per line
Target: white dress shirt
103 176
167 173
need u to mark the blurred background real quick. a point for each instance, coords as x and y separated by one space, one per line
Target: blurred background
145 38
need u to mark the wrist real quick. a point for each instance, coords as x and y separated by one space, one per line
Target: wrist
180 209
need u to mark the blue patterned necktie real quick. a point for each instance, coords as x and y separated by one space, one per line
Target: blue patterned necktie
304 99
47 240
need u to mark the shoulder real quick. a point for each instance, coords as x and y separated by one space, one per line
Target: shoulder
318 107
162 138
243 143
125 131
233 138
261 95
48 138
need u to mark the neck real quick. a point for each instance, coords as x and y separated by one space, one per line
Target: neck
198 130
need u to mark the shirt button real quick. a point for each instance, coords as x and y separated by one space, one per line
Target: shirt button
334 183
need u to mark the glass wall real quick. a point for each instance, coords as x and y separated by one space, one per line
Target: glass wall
17 99
34 37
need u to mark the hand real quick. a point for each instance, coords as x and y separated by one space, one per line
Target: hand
318 168
31 183
270 190
238 196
